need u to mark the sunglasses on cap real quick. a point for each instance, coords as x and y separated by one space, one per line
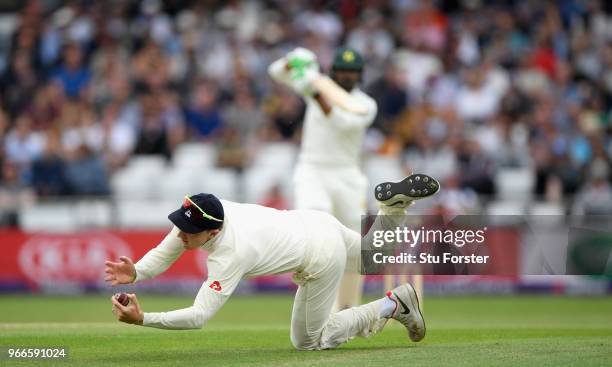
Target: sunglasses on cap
187 203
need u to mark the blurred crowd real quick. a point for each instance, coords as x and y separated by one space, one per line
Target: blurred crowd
464 87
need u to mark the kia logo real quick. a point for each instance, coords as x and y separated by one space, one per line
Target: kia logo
69 257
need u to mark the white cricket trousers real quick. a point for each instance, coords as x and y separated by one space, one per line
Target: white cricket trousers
313 326
340 191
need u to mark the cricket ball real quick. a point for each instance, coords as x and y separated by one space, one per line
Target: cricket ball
122 298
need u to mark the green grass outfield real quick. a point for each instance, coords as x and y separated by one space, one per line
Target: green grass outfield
461 331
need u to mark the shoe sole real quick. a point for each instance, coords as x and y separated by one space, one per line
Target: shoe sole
414 187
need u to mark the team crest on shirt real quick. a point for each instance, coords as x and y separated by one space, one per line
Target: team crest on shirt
215 286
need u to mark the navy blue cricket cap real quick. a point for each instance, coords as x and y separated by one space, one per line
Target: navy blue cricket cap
198 213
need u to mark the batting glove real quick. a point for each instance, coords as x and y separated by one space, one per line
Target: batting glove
302 80
301 55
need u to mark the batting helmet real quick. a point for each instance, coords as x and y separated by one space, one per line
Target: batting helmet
347 59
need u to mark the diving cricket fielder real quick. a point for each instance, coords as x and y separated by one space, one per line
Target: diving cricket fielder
246 240
327 176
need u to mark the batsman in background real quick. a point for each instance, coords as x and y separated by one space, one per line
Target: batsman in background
327 176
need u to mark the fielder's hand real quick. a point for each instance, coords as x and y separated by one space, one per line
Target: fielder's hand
130 314
122 272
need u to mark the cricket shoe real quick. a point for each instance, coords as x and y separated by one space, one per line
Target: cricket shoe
402 194
407 311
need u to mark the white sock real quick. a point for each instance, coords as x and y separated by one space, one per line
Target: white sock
386 307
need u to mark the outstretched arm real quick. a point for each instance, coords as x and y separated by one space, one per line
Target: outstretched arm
205 306
159 259
224 274
155 262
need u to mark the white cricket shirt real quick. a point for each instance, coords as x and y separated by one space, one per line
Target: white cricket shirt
255 240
